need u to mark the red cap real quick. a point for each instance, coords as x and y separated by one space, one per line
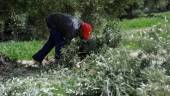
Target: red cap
86 30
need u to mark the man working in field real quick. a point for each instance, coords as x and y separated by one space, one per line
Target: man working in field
63 28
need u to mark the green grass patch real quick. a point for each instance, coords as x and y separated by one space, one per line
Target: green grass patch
140 23
21 50
144 22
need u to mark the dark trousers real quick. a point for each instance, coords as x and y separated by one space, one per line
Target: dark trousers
55 40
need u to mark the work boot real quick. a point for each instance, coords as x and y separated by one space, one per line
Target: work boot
33 63
53 61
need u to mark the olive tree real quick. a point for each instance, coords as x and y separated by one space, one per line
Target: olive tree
93 11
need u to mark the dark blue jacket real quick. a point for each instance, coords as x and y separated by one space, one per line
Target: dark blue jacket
68 25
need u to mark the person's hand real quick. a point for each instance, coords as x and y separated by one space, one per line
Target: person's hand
86 47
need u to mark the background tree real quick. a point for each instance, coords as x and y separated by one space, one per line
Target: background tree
31 14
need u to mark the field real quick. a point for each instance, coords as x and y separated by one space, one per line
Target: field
139 66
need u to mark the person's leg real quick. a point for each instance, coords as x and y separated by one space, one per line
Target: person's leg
40 55
58 48
59 43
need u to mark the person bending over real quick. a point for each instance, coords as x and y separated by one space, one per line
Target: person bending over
63 28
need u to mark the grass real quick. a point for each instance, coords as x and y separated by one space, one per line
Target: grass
144 22
21 50
140 23
134 29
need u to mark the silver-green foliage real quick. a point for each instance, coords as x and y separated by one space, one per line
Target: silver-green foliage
107 72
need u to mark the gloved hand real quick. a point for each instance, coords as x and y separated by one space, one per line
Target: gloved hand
86 47
67 41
